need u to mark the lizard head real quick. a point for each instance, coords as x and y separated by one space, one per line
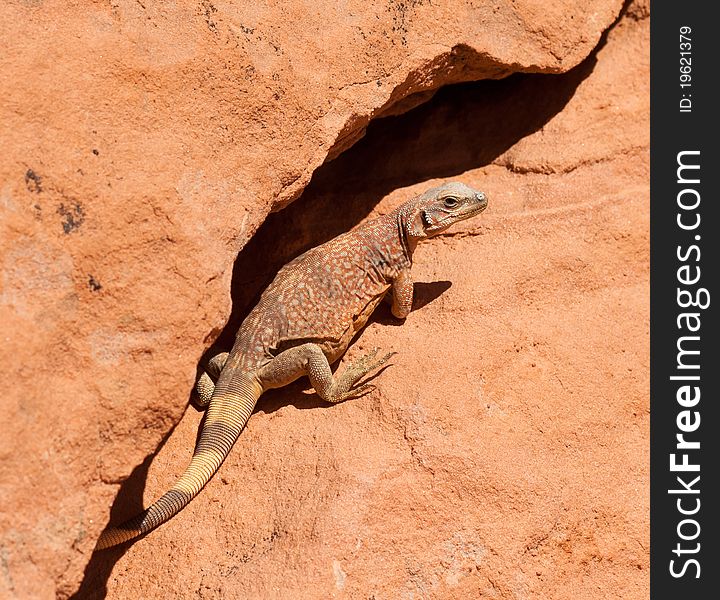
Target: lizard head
437 209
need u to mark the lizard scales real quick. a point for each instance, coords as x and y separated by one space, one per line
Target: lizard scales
304 322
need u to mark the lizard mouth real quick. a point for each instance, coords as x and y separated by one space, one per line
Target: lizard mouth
475 211
450 219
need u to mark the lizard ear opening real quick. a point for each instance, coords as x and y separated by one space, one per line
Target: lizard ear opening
417 223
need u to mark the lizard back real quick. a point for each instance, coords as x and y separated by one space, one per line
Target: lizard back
324 295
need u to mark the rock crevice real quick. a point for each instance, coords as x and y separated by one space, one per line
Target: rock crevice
145 146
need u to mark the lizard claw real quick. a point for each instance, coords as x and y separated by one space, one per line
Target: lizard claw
358 391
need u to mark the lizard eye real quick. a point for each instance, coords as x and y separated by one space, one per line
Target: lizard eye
451 202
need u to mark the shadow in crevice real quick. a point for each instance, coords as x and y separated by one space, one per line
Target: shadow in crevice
128 503
463 127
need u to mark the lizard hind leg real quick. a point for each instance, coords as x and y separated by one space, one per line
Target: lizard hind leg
205 385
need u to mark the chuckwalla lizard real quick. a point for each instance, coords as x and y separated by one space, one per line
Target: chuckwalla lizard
303 323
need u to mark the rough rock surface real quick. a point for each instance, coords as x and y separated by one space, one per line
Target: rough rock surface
505 452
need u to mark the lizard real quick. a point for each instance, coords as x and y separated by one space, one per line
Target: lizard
303 322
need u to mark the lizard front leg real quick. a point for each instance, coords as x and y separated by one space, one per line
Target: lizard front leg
308 359
402 294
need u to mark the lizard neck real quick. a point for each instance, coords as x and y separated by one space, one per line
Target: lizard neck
407 242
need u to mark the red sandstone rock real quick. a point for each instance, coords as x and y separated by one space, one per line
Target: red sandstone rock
505 452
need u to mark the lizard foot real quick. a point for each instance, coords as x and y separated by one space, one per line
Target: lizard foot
204 389
205 385
356 371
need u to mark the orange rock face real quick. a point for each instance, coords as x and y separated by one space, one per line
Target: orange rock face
505 452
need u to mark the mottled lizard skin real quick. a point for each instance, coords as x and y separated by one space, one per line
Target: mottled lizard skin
302 324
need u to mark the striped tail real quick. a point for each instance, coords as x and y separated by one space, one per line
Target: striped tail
229 410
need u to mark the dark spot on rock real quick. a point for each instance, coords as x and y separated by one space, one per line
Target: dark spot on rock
33 181
209 9
96 152
94 284
73 216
